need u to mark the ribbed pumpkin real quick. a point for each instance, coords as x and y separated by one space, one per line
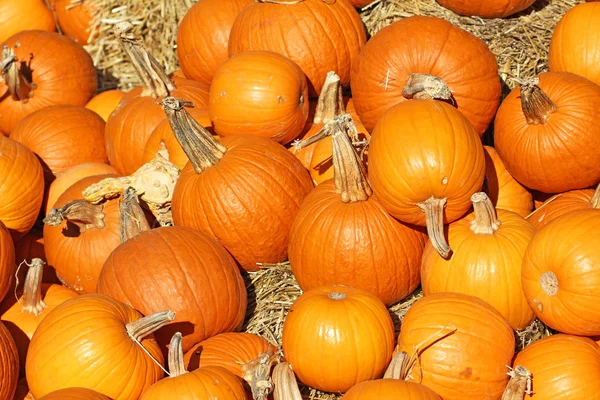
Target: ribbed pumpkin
74 394
23 15
320 36
426 162
575 41
423 58
488 247
213 299
62 137
504 190
559 277
78 247
204 383
95 342
270 85
336 336
547 133
202 43
7 260
390 389
343 235
48 79
562 203
75 19
22 182
38 300
9 364
105 103
563 368
486 8
462 346
234 188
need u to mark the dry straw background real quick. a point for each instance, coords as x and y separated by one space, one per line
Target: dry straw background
520 44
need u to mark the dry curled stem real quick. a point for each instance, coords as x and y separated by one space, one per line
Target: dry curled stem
284 381
537 106
80 212
398 367
32 289
175 356
486 221
19 87
145 326
258 374
331 100
131 216
426 87
434 216
519 384
342 122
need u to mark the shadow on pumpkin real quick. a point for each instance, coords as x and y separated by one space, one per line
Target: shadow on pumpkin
251 293
163 335
22 342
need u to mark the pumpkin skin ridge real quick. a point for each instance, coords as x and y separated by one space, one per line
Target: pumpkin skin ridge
563 203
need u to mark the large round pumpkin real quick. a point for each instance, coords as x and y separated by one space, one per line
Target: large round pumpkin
390 389
212 300
461 345
22 15
9 364
259 93
575 41
105 103
202 43
62 136
562 203
22 182
59 71
426 161
74 393
547 133
78 247
488 247
559 277
7 260
98 343
563 367
320 36
486 8
336 336
409 58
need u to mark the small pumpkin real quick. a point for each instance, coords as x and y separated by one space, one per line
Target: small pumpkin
390 389
36 78
202 43
105 103
75 19
575 41
449 336
558 280
9 364
423 57
426 162
17 16
351 326
547 134
486 8
488 249
320 36
74 393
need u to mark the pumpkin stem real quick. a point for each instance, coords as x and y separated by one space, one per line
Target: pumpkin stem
19 86
536 104
131 216
145 326
32 289
286 386
342 122
486 221
175 356
519 384
258 374
426 87
595 200
331 101
156 81
434 217
81 213
201 148
549 283
398 367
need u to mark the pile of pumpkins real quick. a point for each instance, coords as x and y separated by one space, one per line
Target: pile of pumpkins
129 220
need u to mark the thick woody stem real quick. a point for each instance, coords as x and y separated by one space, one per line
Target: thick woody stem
19 87
486 221
32 290
331 101
434 218
398 367
175 356
131 216
80 212
342 122
537 106
156 81
519 384
258 374
201 148
595 201
426 87
284 380
145 326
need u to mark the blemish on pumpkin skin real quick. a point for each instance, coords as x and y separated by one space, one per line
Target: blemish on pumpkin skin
466 374
281 99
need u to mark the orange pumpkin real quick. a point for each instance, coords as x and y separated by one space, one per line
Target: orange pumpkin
22 180
44 79
202 42
504 190
540 198
75 19
486 8
390 389
575 41
38 300
547 133
209 197
29 247
105 103
336 336
562 203
563 367
7 260
78 247
22 15
320 36
426 156
74 393
426 57
361 3
9 364
558 277
461 346
488 249
107 340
